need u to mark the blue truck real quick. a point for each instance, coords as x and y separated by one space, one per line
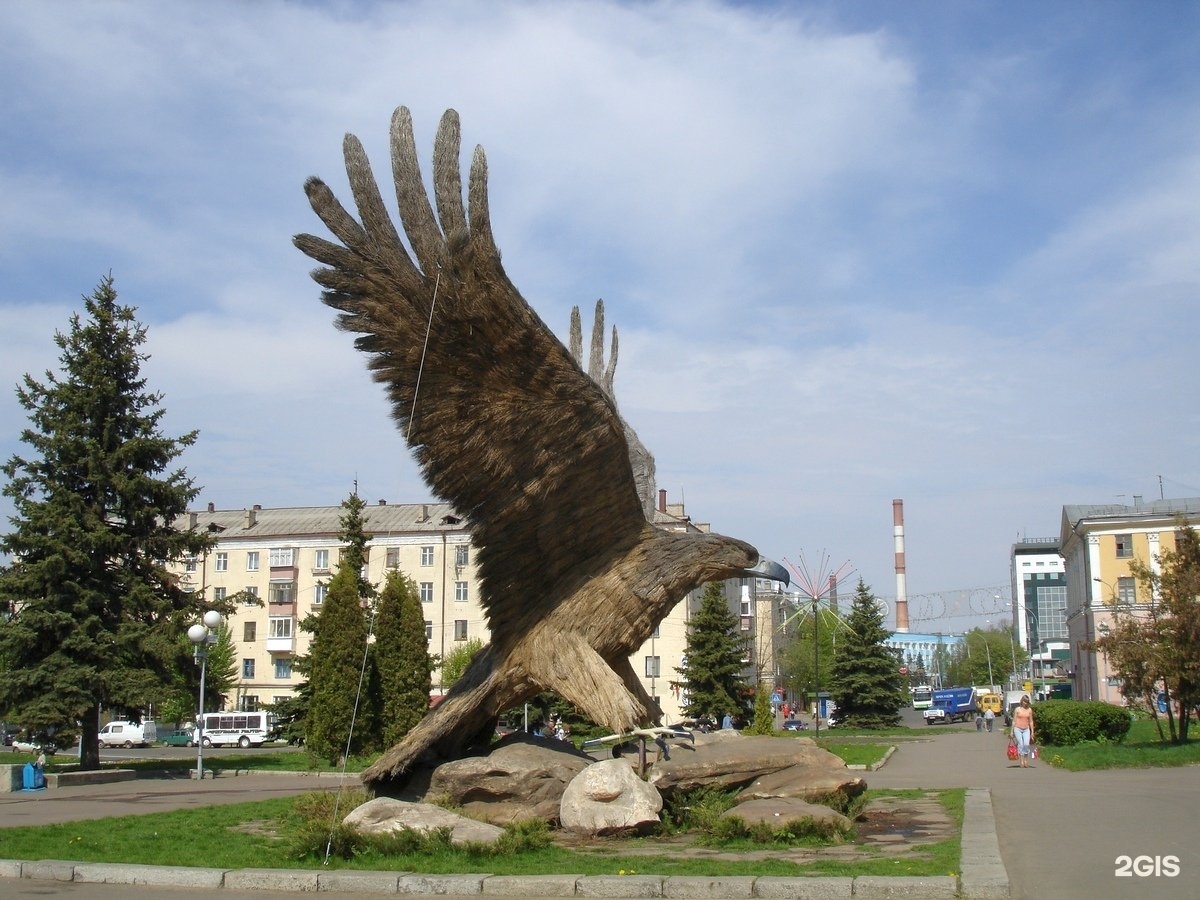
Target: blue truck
956 704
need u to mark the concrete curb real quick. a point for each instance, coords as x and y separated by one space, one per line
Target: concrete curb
618 886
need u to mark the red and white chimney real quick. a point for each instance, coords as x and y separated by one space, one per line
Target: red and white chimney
901 591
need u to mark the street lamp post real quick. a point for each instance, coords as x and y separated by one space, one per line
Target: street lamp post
201 635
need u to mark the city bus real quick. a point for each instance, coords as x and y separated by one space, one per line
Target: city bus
922 697
228 728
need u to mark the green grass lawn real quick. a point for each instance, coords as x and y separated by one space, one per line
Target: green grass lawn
1140 749
270 834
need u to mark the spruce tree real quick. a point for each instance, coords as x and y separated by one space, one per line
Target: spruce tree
340 711
335 672
715 667
401 657
95 613
865 680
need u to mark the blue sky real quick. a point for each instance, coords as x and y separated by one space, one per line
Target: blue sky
947 252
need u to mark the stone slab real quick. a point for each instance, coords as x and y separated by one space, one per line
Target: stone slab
271 880
822 887
49 870
709 887
165 876
619 886
98 776
359 882
942 887
531 885
414 883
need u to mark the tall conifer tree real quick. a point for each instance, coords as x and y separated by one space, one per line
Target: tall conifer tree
340 710
715 666
866 684
401 657
95 614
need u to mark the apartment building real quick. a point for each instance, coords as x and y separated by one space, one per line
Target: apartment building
286 557
1097 544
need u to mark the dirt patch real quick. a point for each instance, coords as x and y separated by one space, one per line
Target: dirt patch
886 826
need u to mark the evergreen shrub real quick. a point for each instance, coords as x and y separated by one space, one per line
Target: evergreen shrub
1068 722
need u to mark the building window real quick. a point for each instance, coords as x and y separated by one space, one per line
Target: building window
653 666
189 564
248 703
656 633
462 555
321 560
427 556
460 629
1126 591
283 592
247 668
460 592
249 632
1124 546
283 667
393 557
280 626
222 562
219 593
252 561
426 591
428 630
251 592
319 593
281 557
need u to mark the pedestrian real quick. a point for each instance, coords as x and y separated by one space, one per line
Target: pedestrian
989 718
40 762
727 722
1022 719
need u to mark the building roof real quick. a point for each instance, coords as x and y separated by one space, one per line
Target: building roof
307 521
1155 509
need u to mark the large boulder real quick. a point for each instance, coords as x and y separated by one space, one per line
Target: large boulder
817 784
737 761
608 798
522 777
778 811
384 815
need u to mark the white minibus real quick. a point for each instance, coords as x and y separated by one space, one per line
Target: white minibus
228 728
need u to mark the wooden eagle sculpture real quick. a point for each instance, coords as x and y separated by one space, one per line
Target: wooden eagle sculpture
510 430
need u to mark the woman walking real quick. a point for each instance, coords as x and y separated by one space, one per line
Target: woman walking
1022 720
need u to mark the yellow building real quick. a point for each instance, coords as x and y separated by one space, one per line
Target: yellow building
1097 544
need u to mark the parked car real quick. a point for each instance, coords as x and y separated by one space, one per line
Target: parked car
8 733
180 737
795 725
19 746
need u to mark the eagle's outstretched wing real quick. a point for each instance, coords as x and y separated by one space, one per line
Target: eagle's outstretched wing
503 422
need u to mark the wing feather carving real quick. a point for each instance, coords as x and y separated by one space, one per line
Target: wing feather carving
504 423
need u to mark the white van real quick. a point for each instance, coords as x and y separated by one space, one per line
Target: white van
228 728
128 734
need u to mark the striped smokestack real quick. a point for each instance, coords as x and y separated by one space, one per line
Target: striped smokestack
901 592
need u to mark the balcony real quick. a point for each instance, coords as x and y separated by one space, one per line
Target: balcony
281 644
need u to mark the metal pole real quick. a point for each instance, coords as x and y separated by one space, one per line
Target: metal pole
202 652
816 670
991 677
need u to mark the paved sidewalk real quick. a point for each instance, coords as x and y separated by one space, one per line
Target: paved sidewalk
1061 832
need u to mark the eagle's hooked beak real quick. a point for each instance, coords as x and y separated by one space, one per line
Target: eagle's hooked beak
768 568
